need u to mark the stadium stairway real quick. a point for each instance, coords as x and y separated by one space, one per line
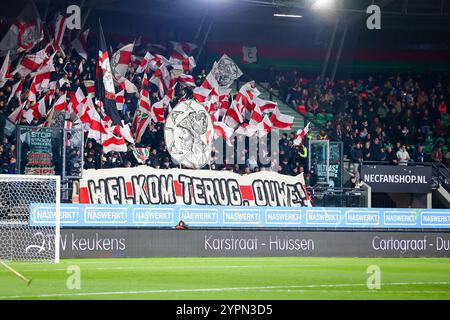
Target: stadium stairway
443 195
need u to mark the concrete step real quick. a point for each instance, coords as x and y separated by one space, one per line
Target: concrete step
443 195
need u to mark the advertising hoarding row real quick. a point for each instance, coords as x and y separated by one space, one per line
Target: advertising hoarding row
78 215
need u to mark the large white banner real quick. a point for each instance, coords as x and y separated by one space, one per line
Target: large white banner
146 185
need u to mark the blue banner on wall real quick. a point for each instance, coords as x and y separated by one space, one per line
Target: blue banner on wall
85 215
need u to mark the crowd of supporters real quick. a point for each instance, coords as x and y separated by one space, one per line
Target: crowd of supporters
292 159
397 119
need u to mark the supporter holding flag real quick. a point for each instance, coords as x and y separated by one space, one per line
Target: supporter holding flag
105 91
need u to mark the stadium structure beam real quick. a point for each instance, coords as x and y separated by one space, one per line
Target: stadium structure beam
202 22
205 38
339 53
330 46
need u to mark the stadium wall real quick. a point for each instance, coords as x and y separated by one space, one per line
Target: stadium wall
114 243
290 45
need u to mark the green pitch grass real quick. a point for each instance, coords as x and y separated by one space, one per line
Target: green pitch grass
231 278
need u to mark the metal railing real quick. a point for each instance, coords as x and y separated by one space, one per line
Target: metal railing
339 197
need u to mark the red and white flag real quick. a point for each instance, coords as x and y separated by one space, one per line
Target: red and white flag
144 63
182 49
90 87
265 106
43 74
144 101
143 113
233 118
221 129
32 92
200 94
79 70
76 99
123 82
80 44
60 29
265 126
16 91
37 111
125 131
25 32
121 58
247 93
159 108
60 104
300 135
83 111
96 125
184 64
120 99
113 140
17 114
256 116
185 79
248 130
281 121
161 78
30 63
5 74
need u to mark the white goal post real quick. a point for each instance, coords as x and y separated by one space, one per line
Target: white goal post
30 218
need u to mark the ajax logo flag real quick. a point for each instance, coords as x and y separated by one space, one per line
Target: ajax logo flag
249 54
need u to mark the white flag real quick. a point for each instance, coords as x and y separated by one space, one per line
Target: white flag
250 54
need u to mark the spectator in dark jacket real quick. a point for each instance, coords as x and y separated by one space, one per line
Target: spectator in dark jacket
357 153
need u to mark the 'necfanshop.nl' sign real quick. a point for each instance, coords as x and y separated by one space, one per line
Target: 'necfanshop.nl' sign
400 179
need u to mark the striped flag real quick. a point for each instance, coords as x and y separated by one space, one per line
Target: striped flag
5 74
281 121
25 32
121 58
80 44
141 154
30 63
105 91
60 29
120 99
143 113
113 140
300 136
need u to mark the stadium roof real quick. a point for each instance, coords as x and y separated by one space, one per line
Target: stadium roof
403 14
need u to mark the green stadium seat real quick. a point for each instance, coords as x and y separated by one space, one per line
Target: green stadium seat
439 140
320 117
310 116
329 117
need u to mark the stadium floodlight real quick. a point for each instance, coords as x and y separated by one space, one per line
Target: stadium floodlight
287 15
323 4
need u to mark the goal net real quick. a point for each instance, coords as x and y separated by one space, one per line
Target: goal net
29 218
